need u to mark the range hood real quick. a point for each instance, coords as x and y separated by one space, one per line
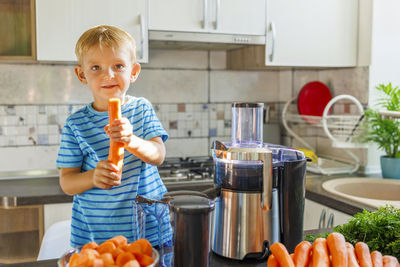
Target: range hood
202 40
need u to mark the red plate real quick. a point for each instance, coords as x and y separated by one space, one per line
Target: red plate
312 100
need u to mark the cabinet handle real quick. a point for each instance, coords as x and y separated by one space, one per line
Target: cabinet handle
142 33
272 29
330 221
204 14
217 7
321 223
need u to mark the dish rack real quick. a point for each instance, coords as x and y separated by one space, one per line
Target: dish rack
342 130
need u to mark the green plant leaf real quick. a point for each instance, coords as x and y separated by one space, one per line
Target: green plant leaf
385 132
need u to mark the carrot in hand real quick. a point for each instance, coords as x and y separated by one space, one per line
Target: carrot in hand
363 255
282 255
302 254
320 254
351 256
337 247
116 154
376 258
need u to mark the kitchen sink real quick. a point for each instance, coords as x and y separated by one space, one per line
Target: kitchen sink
373 192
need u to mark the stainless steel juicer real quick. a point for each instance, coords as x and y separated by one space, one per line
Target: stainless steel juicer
262 189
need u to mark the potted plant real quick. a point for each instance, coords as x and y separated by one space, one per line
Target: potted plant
385 130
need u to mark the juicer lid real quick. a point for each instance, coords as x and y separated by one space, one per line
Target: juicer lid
280 153
191 204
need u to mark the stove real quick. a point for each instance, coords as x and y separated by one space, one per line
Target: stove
187 170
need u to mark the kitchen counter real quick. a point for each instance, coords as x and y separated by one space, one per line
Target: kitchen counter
315 192
46 190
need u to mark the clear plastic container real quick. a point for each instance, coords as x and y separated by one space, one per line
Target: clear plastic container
247 124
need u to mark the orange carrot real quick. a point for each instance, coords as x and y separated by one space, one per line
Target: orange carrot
73 261
390 261
136 249
116 252
107 258
282 255
146 260
119 240
116 154
376 258
337 247
92 245
98 263
124 257
320 254
272 262
132 263
292 256
106 246
363 255
87 257
351 256
302 254
145 245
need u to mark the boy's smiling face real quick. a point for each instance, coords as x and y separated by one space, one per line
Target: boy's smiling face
108 72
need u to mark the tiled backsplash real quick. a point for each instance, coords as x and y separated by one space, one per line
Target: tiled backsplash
191 92
40 125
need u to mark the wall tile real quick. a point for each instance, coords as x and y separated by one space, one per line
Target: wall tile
301 78
217 60
285 85
177 59
353 81
253 86
11 159
185 147
41 84
172 86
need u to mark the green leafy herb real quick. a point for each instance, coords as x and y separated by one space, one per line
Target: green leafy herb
385 132
380 230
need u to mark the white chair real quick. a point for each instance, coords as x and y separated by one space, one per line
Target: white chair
55 241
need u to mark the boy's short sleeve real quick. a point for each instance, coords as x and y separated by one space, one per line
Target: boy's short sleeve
70 154
152 127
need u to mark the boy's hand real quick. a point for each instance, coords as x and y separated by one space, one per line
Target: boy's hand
106 175
120 131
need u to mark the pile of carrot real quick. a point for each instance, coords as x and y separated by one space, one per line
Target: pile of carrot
115 252
331 251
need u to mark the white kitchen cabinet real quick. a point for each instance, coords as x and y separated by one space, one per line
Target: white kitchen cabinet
59 23
55 213
317 216
312 33
218 16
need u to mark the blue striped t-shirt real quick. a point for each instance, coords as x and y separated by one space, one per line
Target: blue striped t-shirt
100 214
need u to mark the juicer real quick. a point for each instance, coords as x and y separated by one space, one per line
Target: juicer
261 190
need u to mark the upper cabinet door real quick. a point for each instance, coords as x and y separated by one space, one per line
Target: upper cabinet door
237 17
219 16
312 33
60 23
178 15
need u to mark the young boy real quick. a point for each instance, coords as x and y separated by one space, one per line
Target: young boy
103 200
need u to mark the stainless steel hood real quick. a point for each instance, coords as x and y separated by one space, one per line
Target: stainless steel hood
202 40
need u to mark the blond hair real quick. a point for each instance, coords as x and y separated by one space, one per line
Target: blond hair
104 35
